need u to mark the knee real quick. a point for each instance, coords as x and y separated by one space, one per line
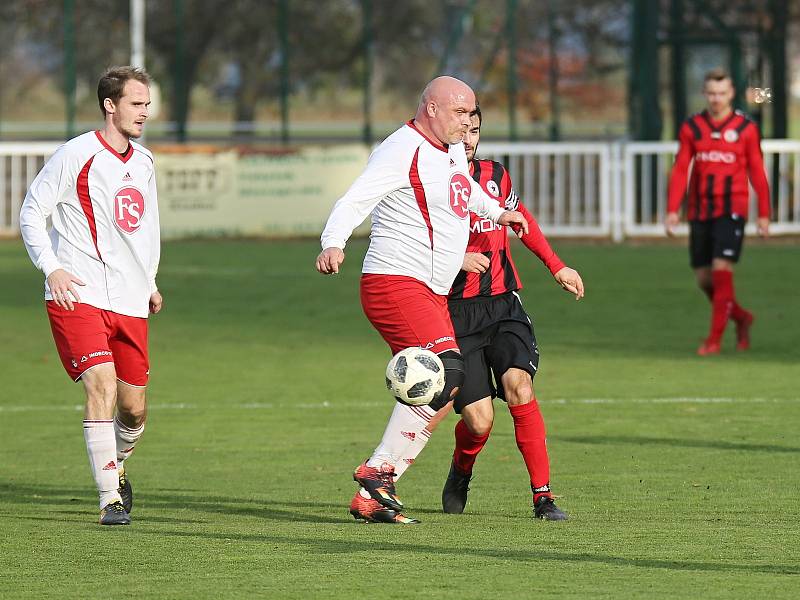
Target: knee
519 393
479 426
134 416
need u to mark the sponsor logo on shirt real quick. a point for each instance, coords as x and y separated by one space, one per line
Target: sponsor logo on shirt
460 190
715 156
492 188
128 209
484 226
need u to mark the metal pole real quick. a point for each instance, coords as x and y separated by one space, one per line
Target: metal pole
679 102
181 101
137 33
511 9
366 8
137 39
69 66
555 118
283 34
777 61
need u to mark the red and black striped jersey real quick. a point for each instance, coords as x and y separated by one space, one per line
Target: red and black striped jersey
491 240
725 153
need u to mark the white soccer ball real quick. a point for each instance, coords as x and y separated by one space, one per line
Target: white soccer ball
415 376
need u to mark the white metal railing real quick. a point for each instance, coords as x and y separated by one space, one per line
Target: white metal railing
593 189
567 186
646 167
19 164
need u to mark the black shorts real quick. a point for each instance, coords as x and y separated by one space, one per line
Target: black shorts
718 238
494 335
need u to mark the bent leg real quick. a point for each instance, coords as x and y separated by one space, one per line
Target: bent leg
472 433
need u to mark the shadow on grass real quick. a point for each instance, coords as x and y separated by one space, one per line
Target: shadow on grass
176 500
521 555
677 442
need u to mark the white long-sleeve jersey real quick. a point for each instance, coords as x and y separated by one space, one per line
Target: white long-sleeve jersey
105 228
420 194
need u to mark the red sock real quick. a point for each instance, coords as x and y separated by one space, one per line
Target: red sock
722 304
737 312
467 447
530 433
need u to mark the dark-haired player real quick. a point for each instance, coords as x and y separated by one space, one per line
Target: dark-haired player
99 259
723 147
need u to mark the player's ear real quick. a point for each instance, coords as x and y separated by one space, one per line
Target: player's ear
108 104
432 109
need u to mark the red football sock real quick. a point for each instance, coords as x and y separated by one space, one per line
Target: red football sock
530 433
467 447
722 304
737 312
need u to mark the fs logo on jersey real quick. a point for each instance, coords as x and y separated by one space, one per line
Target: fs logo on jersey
128 209
730 136
460 189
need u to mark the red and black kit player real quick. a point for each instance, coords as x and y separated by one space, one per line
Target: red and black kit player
497 340
723 148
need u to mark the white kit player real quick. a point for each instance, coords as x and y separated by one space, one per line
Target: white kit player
100 259
419 192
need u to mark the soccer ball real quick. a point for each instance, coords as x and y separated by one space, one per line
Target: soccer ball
415 376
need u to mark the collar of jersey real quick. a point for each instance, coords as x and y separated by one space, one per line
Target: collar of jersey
123 157
718 125
437 145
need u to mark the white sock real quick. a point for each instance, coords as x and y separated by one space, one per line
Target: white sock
102 450
126 439
412 451
407 459
404 426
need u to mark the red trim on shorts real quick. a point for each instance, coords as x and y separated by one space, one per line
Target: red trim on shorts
419 194
86 202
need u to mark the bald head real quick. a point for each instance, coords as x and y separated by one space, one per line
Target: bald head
443 111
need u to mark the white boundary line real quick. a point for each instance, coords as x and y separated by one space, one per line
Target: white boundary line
351 405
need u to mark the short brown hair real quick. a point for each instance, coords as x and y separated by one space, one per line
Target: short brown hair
113 82
717 74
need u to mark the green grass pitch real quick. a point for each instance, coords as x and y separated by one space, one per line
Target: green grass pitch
681 474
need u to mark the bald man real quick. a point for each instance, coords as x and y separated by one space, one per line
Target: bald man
417 188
